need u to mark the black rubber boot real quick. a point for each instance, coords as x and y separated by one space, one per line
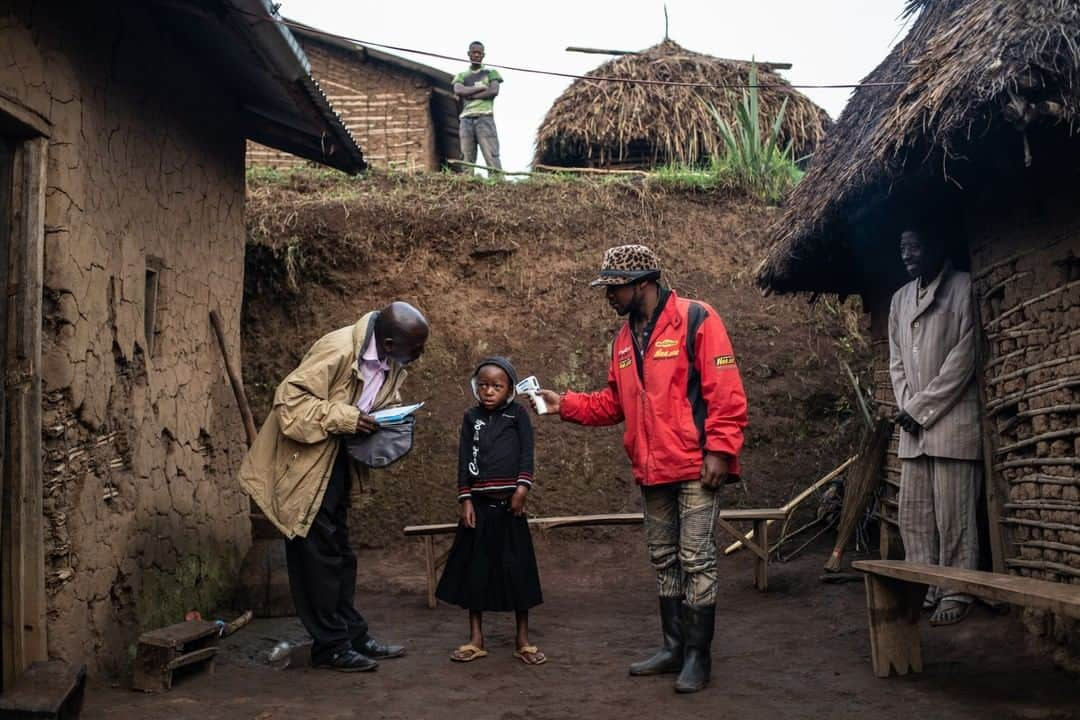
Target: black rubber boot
698 634
669 659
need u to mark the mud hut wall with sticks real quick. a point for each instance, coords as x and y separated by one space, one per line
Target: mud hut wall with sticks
604 124
977 142
403 113
122 225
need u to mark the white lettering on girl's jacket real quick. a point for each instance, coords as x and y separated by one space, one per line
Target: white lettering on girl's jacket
474 466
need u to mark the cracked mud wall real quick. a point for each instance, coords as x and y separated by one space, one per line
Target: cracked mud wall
145 173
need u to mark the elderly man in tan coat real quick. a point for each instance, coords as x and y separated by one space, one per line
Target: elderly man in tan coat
299 474
932 365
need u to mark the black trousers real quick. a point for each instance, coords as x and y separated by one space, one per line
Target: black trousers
322 572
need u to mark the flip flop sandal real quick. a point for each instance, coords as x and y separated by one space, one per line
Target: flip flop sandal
468 653
958 610
523 653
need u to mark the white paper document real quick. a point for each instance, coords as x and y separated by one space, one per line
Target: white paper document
393 415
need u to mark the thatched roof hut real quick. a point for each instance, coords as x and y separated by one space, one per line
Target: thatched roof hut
977 146
598 123
969 74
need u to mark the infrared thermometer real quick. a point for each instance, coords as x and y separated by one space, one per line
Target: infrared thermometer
529 386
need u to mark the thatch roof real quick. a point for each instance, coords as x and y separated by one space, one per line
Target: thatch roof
601 123
968 70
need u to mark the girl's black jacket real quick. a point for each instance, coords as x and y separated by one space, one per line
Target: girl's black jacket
495 450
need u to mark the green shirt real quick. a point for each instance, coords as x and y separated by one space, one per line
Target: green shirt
472 78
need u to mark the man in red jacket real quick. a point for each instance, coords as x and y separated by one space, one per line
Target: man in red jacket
674 380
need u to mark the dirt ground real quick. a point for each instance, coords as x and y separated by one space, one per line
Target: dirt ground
799 651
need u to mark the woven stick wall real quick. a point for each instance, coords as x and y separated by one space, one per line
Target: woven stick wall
1030 305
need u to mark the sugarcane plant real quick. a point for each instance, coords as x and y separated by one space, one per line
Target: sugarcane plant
760 163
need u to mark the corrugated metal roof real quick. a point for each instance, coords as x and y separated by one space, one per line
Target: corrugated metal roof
255 56
444 103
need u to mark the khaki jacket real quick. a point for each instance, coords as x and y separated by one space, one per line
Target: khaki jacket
932 364
287 469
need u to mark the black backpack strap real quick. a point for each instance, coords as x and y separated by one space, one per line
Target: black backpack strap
695 316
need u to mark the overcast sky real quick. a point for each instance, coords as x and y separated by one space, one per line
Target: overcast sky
827 41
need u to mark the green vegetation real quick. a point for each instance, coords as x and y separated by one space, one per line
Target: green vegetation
707 179
753 161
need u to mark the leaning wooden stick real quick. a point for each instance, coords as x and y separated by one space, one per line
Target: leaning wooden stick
234 380
796 501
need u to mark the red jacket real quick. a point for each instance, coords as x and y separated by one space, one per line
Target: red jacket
683 408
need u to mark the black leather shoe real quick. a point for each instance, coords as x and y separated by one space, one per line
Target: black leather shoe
669 659
377 650
349 661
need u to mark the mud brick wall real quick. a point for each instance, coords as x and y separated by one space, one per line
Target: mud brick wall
386 109
1026 268
145 174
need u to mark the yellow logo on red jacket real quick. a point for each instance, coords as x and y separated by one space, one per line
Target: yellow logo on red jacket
667 348
724 360
625 363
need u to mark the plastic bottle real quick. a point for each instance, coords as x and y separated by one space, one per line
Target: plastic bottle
280 655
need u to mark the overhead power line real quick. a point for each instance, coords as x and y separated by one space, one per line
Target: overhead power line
554 73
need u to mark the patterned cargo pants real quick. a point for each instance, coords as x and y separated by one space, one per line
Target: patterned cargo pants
680 522
937 512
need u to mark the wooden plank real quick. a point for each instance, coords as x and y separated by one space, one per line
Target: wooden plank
581 520
176 636
761 564
549 522
1058 598
6 160
45 689
754 514
892 608
195 656
440 529
23 559
736 533
429 566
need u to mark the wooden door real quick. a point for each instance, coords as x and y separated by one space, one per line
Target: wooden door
22 552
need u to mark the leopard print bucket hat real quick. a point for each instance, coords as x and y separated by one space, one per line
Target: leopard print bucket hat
627 263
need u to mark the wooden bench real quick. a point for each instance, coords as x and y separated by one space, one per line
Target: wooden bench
190 645
50 690
894 594
759 546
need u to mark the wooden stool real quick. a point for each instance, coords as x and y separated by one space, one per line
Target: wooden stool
190 645
48 690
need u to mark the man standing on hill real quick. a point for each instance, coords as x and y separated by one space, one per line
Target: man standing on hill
299 473
932 365
674 381
476 89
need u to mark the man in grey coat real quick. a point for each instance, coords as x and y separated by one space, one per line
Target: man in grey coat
932 366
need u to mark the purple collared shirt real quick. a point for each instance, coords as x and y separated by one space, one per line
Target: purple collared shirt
372 374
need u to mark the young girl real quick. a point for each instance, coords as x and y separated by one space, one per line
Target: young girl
492 566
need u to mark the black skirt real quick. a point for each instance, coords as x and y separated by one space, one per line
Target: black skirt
492 567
